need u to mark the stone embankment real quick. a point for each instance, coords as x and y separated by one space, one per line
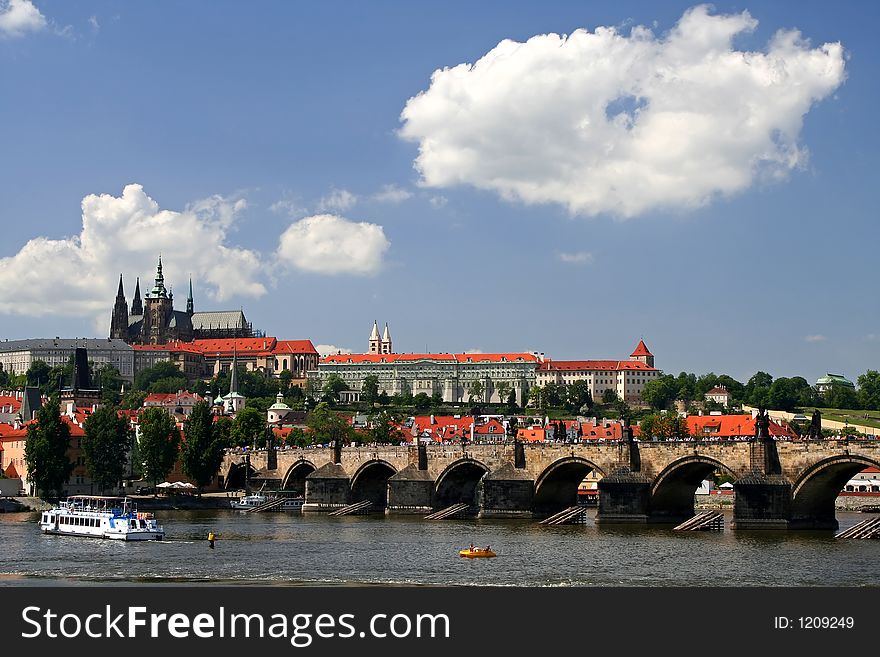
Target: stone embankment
843 502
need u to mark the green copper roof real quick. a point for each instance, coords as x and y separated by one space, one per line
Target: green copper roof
831 379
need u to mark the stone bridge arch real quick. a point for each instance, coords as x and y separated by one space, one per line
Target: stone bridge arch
370 482
460 483
238 474
672 492
556 488
817 486
295 477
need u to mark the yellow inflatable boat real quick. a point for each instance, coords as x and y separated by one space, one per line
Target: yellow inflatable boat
475 553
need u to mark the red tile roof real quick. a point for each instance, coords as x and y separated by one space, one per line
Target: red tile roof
294 347
729 426
243 346
641 350
6 400
443 427
461 358
595 365
11 472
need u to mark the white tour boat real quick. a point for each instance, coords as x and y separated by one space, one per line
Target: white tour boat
255 500
249 501
101 517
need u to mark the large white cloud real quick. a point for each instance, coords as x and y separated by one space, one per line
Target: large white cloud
329 244
602 122
18 17
78 276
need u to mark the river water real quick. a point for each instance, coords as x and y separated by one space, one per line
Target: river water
312 549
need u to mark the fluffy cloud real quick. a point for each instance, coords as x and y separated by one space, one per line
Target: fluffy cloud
338 200
601 122
331 350
78 276
392 194
18 17
579 258
329 244
815 338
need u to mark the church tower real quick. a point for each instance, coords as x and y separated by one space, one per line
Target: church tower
386 341
119 321
137 308
189 300
158 310
642 354
375 341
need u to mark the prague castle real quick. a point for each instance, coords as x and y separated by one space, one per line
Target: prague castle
154 320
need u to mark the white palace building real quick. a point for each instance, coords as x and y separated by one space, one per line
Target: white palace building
450 374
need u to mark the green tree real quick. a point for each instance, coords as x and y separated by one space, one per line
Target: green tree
4 377
248 427
869 390
436 399
108 379
503 389
45 451
511 402
162 370
661 392
284 378
333 386
475 390
536 396
841 396
663 426
782 394
223 431
580 399
38 373
686 386
383 399
202 451
106 446
327 425
159 444
386 428
757 389
422 402
609 396
168 385
370 390
554 395
133 400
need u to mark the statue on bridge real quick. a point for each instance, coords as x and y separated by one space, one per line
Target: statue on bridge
815 430
762 425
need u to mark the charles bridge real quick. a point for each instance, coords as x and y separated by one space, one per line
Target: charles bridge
777 483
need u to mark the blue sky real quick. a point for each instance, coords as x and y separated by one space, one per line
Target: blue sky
262 149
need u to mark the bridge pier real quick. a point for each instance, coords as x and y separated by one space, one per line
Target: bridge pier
410 491
761 502
508 492
624 498
328 488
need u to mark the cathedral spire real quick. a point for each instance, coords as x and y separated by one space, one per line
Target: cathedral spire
159 287
137 307
119 319
189 299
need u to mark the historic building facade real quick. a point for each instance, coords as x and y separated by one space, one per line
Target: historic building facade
626 378
16 356
451 375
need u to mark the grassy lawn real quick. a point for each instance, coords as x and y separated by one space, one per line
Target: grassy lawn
847 415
